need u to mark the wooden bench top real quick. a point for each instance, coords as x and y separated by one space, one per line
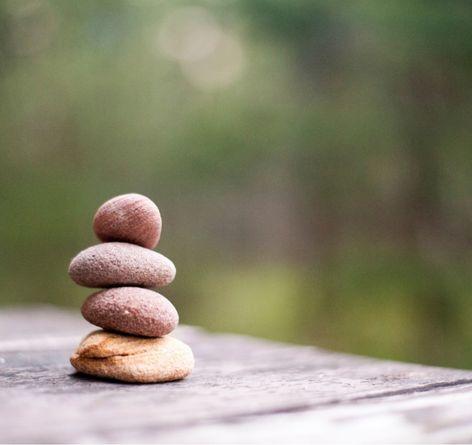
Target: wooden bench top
243 390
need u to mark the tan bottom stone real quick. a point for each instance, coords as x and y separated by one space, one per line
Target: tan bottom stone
133 359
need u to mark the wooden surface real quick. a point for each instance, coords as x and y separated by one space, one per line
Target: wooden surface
243 390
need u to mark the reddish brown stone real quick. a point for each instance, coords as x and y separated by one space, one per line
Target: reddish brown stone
130 218
131 310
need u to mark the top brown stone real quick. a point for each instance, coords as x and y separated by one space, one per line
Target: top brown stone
130 218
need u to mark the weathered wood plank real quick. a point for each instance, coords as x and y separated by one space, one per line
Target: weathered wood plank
240 386
442 417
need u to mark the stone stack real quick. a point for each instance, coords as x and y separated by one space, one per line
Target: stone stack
133 345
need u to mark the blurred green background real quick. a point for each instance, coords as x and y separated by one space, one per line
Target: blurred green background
312 161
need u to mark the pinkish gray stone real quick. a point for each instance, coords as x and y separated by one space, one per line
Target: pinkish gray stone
121 264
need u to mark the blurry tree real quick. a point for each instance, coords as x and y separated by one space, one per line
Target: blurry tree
312 160
392 83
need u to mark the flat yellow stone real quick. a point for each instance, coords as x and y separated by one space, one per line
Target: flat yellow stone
133 359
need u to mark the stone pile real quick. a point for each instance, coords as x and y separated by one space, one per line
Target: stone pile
133 345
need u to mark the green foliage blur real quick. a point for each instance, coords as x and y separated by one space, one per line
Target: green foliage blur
312 161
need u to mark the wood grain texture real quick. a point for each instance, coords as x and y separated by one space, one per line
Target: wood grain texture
242 390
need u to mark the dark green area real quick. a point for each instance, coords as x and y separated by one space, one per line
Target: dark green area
312 161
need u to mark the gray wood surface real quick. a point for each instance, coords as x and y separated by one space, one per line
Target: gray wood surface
243 390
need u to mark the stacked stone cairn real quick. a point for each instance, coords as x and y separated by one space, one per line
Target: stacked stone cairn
133 344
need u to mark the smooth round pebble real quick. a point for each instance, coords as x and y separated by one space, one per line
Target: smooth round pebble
131 310
121 264
133 359
130 218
